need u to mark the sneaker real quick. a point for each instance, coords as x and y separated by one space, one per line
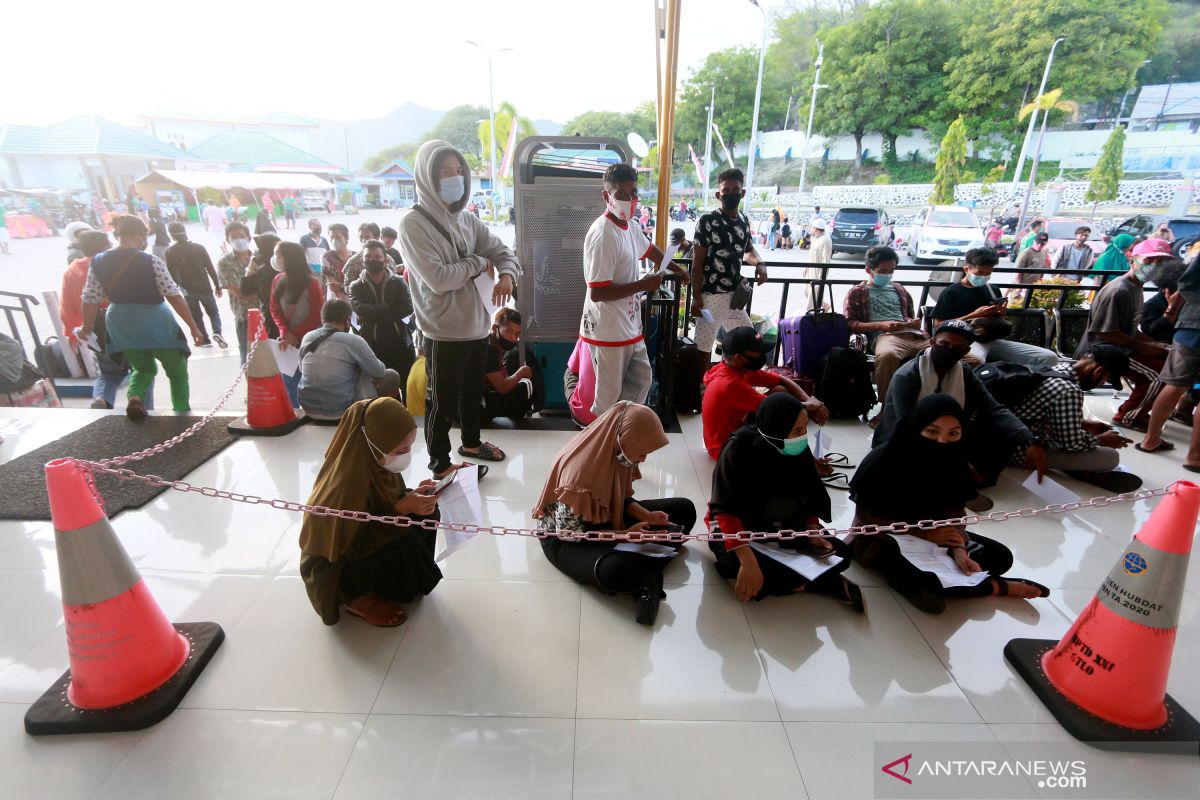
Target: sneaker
980 503
135 409
220 340
100 403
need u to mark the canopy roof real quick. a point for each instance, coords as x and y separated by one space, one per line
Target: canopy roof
238 180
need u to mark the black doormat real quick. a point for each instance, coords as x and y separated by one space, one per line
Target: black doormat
24 478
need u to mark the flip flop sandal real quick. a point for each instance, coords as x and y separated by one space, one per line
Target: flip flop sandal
1161 447
1190 468
483 470
1003 582
838 460
837 481
487 452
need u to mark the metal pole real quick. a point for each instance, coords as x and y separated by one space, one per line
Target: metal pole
1033 117
708 148
1037 155
762 52
812 110
667 140
491 120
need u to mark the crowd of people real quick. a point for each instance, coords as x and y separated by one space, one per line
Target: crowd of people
403 326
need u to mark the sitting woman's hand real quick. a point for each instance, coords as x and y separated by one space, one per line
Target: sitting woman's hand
749 581
964 561
945 537
415 503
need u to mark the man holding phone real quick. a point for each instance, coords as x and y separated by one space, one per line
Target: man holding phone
972 298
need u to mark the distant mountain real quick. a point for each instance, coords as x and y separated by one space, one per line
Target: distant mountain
366 137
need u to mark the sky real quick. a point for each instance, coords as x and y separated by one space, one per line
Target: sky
349 59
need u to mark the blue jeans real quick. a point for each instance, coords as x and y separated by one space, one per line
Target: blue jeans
242 326
195 301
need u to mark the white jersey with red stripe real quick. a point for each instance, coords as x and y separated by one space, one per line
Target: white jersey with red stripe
610 256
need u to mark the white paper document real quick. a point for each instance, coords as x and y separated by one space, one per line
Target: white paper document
1050 490
648 549
930 557
818 440
664 264
91 341
806 566
459 503
708 317
485 284
287 360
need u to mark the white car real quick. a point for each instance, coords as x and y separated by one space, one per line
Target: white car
942 232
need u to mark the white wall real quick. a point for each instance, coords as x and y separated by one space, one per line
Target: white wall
34 172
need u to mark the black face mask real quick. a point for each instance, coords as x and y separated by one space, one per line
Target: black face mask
754 362
730 202
375 267
504 344
942 357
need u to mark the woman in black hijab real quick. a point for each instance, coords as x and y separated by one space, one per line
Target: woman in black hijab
766 480
922 473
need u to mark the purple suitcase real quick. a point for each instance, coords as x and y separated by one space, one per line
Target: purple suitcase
807 338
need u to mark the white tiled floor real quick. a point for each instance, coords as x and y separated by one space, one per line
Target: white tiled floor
510 681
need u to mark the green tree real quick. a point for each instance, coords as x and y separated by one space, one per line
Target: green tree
952 154
1104 179
460 127
599 123
734 72
847 107
1006 43
506 113
404 152
1178 53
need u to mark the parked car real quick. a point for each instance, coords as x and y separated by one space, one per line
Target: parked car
1062 232
941 232
1141 226
313 200
855 230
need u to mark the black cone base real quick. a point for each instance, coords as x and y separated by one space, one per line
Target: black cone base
1180 734
54 714
241 427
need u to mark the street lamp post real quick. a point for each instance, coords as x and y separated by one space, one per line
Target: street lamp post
1033 117
812 110
491 114
762 51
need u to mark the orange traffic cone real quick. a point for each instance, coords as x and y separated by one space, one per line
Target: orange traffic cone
130 666
1106 680
269 410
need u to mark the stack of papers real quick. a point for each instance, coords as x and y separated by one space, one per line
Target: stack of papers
806 566
930 557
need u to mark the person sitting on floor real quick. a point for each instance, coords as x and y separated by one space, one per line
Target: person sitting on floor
590 487
730 388
369 568
922 472
972 298
510 389
1113 318
1050 404
994 431
579 385
337 367
883 311
766 480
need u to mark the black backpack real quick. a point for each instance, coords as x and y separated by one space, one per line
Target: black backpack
844 383
1009 383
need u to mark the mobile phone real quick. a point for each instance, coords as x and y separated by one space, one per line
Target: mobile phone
999 301
444 482
669 527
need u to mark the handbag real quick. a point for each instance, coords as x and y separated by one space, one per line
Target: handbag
743 295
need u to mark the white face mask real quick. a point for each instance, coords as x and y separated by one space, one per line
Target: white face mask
396 463
451 189
240 245
277 263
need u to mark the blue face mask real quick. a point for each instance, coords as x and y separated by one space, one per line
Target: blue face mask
979 281
791 447
881 280
451 189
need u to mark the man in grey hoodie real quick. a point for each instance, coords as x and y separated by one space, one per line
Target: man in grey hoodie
447 250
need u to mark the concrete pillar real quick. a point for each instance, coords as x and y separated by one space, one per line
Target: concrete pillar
1182 198
1053 201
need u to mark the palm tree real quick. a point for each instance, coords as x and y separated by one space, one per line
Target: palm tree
1050 101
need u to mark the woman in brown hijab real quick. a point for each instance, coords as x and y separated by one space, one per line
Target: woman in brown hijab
590 488
368 567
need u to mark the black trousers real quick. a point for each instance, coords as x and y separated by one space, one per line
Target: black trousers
780 581
455 391
880 552
598 565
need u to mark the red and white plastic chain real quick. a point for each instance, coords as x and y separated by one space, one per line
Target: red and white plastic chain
620 536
